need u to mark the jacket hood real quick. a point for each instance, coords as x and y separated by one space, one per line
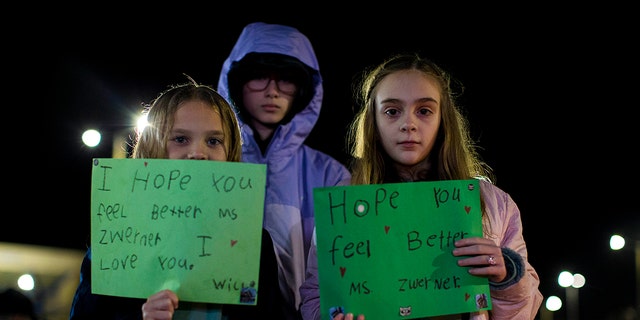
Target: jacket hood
262 37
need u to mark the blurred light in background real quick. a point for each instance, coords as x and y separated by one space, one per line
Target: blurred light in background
616 242
553 303
91 137
48 275
26 282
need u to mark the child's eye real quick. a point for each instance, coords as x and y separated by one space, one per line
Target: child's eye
180 139
391 112
424 111
215 141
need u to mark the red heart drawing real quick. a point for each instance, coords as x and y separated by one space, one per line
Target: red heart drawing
145 163
467 209
233 242
466 296
386 229
342 271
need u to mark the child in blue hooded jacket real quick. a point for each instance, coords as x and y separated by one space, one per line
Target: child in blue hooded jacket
273 80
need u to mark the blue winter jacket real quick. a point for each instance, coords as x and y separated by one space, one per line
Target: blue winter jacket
293 168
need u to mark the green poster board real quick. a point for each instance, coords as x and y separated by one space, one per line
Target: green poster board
385 250
194 227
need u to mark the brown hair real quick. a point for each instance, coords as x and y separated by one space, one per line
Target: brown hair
454 155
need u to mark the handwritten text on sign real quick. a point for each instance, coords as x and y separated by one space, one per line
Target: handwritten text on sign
385 250
194 227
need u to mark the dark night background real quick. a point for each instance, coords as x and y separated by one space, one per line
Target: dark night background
551 96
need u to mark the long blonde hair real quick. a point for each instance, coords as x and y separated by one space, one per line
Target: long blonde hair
152 141
454 155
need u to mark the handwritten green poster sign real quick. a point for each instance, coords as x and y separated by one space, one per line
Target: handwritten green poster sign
194 227
385 250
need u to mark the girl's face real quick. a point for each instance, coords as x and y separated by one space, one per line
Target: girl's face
197 133
407 115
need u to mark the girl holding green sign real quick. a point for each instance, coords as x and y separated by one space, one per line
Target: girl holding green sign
187 121
410 129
